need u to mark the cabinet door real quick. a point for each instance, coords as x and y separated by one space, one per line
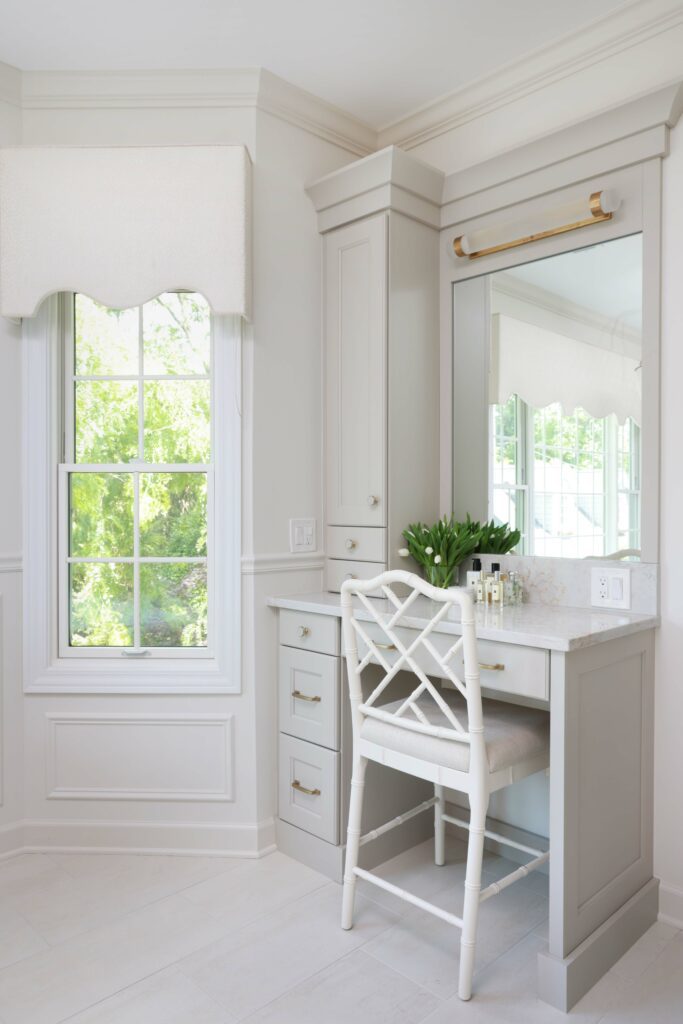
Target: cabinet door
355 360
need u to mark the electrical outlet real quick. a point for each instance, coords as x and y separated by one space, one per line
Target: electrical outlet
302 534
611 587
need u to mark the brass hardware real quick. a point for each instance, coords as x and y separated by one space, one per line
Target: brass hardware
302 789
303 631
386 647
492 668
597 215
350 576
302 696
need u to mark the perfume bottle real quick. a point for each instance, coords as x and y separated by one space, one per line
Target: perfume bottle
474 574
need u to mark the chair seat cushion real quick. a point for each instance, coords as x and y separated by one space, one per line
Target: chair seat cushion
513 734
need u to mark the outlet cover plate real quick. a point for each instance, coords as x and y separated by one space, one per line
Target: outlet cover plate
611 587
302 534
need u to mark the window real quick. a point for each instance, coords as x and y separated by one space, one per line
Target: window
149 461
570 483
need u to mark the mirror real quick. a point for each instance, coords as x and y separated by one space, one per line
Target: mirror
547 363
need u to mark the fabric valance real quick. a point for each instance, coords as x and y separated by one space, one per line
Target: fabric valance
123 224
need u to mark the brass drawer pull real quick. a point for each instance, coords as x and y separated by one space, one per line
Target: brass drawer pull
385 647
302 696
492 668
302 789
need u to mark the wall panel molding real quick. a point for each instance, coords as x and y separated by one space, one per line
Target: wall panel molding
84 748
10 563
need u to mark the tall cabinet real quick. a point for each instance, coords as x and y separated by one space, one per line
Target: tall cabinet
380 220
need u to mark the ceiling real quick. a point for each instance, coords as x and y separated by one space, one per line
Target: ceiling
376 59
606 279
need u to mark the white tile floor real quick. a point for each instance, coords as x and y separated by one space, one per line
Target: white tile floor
118 939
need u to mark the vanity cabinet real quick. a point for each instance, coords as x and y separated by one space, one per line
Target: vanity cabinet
381 360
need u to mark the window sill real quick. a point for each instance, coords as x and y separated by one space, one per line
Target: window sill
160 678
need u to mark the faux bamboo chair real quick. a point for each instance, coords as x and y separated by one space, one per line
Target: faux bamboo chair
447 736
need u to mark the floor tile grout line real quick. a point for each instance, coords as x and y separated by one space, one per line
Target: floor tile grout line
140 981
337 960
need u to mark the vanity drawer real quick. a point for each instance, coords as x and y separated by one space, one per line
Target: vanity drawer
511 668
338 571
308 686
309 787
309 631
360 543
507 668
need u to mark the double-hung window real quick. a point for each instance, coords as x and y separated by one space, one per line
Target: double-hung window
145 585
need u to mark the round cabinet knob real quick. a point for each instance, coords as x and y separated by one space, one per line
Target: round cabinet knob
350 544
303 631
351 576
373 500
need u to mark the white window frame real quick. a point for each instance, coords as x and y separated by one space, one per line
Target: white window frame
47 668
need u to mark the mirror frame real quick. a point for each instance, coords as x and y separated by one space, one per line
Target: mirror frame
464 469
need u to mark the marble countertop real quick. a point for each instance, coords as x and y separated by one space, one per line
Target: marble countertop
552 627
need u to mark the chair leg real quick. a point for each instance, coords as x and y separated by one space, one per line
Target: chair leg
439 827
353 840
475 854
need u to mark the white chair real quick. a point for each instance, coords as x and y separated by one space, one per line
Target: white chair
448 737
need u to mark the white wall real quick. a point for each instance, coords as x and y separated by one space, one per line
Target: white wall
669 664
10 544
282 479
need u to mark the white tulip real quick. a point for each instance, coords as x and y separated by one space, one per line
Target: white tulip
429 551
437 560
403 552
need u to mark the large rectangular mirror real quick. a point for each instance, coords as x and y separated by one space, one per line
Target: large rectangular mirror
547 361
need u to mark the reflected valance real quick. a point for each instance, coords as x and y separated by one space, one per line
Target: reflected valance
122 225
543 367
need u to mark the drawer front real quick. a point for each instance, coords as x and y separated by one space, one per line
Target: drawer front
308 685
359 543
507 668
309 787
338 571
310 632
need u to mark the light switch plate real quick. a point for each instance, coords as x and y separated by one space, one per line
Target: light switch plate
302 535
611 587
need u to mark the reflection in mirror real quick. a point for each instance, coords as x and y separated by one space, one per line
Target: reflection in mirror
564 397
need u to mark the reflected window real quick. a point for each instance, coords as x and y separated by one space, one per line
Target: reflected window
569 482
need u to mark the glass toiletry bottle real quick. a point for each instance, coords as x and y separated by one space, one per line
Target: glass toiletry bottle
474 574
491 578
497 589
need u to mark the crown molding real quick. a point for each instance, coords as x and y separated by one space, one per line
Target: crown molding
591 44
10 85
389 179
250 88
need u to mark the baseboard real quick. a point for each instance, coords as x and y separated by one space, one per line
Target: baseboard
205 839
563 982
670 905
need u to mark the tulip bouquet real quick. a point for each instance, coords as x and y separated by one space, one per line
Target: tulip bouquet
441 548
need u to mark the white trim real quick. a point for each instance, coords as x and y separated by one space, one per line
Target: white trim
670 905
224 794
255 565
44 671
10 85
229 88
10 563
170 838
591 44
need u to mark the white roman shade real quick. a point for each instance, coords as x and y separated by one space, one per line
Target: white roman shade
122 225
543 366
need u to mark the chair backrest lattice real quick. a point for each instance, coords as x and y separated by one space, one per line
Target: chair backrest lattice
410 713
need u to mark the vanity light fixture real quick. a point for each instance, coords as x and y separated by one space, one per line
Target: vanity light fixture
602 206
